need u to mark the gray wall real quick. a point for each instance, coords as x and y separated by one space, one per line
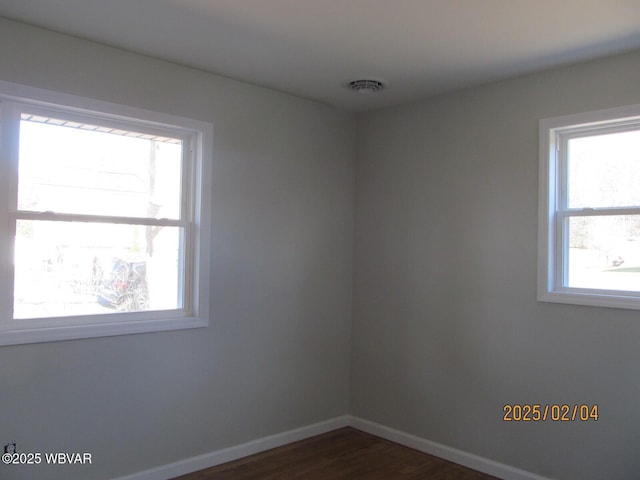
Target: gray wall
447 328
276 355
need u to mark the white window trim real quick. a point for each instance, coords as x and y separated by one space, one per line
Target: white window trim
196 314
550 258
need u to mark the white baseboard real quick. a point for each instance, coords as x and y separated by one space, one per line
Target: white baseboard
460 457
484 465
182 467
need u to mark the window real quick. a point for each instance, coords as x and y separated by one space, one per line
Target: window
104 230
589 246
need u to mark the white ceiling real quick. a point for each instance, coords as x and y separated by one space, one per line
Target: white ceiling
311 48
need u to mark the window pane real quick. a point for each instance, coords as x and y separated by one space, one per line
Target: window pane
68 167
66 269
604 252
604 170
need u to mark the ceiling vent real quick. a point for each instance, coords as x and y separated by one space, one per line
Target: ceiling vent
366 85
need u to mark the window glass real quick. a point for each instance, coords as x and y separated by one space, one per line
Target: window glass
79 168
604 170
81 268
604 252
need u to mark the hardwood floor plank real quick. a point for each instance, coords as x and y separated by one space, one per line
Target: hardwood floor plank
344 454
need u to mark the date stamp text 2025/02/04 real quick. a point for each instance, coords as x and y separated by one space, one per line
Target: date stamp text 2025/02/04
535 412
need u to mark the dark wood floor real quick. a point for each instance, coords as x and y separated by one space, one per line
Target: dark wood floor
344 454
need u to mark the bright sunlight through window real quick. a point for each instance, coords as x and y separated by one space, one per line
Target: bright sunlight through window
590 209
107 221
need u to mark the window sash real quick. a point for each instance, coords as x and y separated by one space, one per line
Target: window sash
563 213
184 269
11 118
562 246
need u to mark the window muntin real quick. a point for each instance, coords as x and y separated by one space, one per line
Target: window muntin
105 211
590 209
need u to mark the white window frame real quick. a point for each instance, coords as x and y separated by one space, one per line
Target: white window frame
197 139
552 240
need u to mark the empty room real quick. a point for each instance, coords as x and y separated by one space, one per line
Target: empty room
288 239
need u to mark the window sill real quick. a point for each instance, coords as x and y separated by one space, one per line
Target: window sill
591 298
12 333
